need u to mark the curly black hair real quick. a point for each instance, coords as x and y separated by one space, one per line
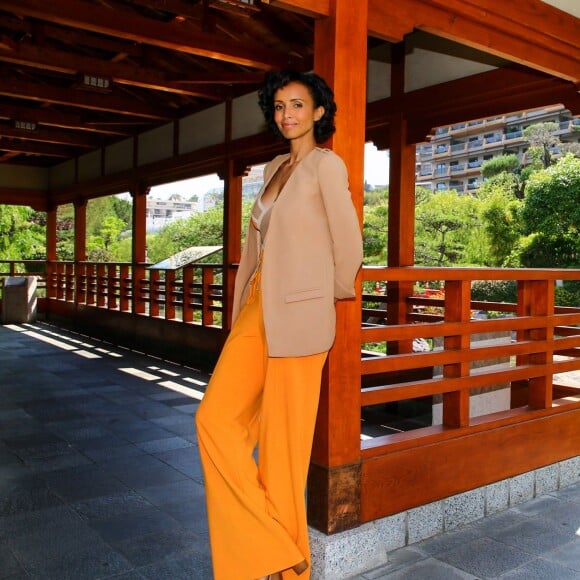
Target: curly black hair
321 93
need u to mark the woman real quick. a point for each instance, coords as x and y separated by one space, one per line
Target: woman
302 252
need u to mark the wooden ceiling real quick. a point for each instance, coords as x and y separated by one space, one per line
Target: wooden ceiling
76 75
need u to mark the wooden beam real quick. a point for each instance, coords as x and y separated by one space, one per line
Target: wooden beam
94 18
492 28
314 8
57 136
47 116
486 94
226 78
498 106
110 102
38 30
37 148
531 15
45 57
177 7
31 197
389 22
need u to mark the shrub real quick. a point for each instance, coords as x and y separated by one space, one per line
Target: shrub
494 290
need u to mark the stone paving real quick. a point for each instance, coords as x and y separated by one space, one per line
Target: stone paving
100 478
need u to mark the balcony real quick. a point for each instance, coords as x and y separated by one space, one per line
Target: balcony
475 144
513 135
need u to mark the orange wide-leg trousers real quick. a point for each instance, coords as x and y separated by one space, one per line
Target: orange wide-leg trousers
256 510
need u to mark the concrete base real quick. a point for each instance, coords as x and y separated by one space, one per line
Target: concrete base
344 555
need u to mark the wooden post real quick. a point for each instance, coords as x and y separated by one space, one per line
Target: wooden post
340 56
536 298
232 237
187 292
139 193
457 309
154 284
124 291
92 284
401 239
80 208
206 300
169 296
51 251
113 287
102 285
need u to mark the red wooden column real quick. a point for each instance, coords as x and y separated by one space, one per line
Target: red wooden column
536 298
401 239
457 309
51 222
80 230
232 236
80 206
139 193
340 56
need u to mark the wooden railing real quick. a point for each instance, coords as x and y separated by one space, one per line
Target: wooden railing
190 295
543 341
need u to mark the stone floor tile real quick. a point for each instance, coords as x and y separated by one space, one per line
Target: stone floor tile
535 536
111 506
403 558
485 557
83 482
184 460
163 445
9 565
145 550
191 515
95 561
26 496
145 521
181 492
25 523
540 569
428 569
449 540
567 555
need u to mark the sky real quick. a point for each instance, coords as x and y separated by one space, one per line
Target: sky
376 172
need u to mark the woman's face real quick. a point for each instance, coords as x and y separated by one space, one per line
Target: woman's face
294 111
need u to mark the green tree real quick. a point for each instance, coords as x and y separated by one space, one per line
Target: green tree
202 229
110 230
375 233
542 140
551 216
445 223
502 164
22 235
65 233
501 217
123 210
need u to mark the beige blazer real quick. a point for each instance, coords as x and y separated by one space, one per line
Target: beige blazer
311 255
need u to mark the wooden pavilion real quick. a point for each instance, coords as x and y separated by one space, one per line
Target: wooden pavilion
100 98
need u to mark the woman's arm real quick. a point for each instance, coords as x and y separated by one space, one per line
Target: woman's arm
343 223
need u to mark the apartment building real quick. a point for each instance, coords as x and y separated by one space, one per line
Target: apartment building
452 159
162 212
